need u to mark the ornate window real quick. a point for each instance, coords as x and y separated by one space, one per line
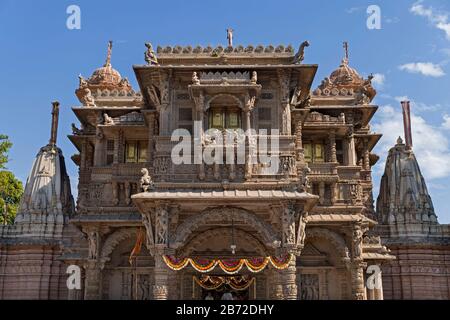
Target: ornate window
224 118
136 151
314 152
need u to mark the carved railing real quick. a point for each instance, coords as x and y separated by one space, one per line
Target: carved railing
325 168
349 173
164 169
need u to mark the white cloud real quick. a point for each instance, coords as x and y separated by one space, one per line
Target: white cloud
424 68
418 106
379 79
438 19
446 124
430 143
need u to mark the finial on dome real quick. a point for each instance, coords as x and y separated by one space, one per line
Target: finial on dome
55 118
230 37
399 140
346 55
108 56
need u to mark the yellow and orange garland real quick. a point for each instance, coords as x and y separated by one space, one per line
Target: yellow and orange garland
229 266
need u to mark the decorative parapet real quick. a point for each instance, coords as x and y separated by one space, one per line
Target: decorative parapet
230 76
319 117
238 50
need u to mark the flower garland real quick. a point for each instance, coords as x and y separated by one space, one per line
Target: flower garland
215 282
229 266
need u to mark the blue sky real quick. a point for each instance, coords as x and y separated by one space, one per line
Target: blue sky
40 60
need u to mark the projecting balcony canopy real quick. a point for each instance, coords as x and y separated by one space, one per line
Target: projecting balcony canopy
209 197
150 75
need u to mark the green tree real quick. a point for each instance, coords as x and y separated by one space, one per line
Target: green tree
5 145
11 188
11 191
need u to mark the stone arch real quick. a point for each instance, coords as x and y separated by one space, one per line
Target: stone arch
222 95
114 240
219 214
203 237
334 238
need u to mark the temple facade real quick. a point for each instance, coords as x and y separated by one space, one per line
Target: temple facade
225 174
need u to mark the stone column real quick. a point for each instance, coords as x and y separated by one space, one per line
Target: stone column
351 150
277 292
161 274
93 280
116 148
322 193
299 141
99 148
284 79
289 280
332 137
366 155
84 150
357 275
151 142
333 193
249 105
199 134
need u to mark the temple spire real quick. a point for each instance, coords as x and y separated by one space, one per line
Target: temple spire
55 118
108 56
346 55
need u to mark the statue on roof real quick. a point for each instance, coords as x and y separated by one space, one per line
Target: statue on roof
230 37
87 99
83 82
300 56
150 55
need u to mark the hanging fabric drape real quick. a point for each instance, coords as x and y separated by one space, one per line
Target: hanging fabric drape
229 266
238 283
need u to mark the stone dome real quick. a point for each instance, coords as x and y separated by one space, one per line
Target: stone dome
105 75
345 75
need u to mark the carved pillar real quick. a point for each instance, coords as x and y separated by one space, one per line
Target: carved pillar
84 150
289 280
357 276
366 155
128 193
116 148
276 292
284 78
121 147
249 105
199 134
115 192
99 148
299 141
357 265
334 192
93 280
93 266
322 193
151 143
164 112
161 274
332 137
351 150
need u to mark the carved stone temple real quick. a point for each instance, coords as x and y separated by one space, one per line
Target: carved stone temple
145 227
